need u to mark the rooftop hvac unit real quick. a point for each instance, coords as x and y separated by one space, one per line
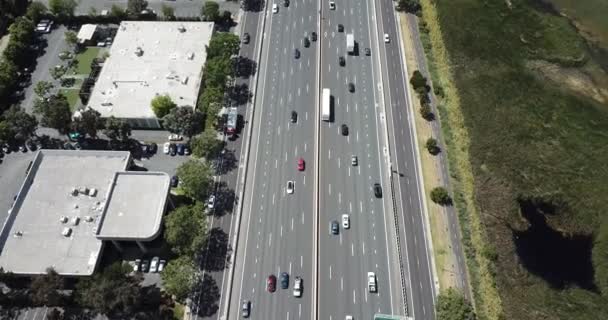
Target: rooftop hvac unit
66 232
75 221
18 233
190 55
88 218
63 219
83 190
185 80
139 51
92 192
74 192
182 29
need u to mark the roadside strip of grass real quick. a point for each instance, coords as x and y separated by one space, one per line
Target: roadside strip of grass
487 302
444 259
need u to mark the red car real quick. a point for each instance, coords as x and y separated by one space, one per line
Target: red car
301 164
271 283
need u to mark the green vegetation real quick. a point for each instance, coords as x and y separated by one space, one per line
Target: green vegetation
162 105
451 305
186 229
196 179
183 120
432 146
85 59
72 96
513 135
179 277
206 145
440 195
63 7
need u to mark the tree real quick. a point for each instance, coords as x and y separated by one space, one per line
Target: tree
117 129
179 277
54 314
432 146
45 288
6 132
196 179
111 290
210 11
451 305
217 70
63 7
35 11
43 89
410 6
57 72
162 105
8 76
599 257
184 120
168 12
223 44
55 112
206 145
21 124
211 95
440 196
88 121
136 6
71 38
186 229
418 80
117 11
426 112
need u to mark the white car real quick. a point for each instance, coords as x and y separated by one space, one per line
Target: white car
175 137
211 202
354 161
349 318
154 264
161 265
345 221
332 5
166 147
386 38
290 187
297 287
275 8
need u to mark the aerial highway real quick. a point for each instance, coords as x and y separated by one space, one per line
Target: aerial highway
346 187
276 228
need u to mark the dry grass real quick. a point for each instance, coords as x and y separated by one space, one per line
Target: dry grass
487 300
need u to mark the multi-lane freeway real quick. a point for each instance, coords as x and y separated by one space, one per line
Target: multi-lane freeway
279 231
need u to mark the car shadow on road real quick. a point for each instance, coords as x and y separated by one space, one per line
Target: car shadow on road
217 255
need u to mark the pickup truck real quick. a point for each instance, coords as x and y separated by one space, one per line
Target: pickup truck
371 282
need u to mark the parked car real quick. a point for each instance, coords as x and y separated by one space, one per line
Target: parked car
174 181
145 149
246 308
137 265
166 147
211 202
153 148
144 265
368 52
180 149
246 38
172 149
154 264
175 137
187 150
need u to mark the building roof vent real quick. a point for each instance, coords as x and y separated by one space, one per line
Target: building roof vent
66 232
182 29
18 233
63 219
75 221
139 51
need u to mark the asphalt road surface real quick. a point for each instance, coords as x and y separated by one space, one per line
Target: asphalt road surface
368 245
421 286
276 228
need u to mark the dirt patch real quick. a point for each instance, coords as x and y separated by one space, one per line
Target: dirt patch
571 78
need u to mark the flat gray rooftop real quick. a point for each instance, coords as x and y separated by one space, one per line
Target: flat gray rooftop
150 58
135 206
47 205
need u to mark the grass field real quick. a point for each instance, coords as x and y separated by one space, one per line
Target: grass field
589 15
84 60
528 141
72 96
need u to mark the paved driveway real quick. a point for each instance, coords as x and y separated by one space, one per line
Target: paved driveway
55 44
12 174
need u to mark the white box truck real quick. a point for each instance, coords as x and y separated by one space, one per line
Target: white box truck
371 282
325 107
350 43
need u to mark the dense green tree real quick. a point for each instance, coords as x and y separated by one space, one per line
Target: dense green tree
179 277
186 229
206 145
57 72
43 89
22 35
418 80
426 112
410 6
162 105
63 7
211 95
217 71
196 179
168 12
210 11
8 76
54 314
55 113
88 122
440 196
6 132
184 120
111 291
117 129
136 6
451 305
223 44
45 288
117 11
21 124
432 146
35 11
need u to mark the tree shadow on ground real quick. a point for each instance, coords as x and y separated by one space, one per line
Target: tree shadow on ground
240 94
224 199
228 162
209 298
217 251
